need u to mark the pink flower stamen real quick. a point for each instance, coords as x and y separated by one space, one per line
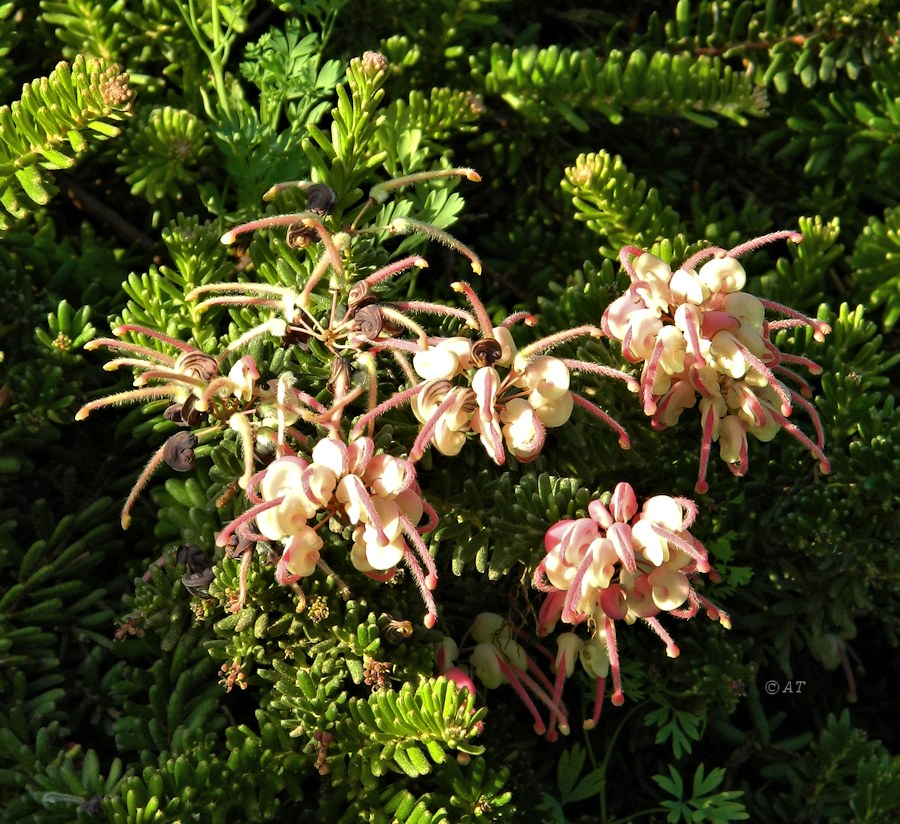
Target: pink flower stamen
625 255
396 268
620 535
391 403
410 531
573 595
650 375
515 675
709 420
144 394
539 727
714 613
699 257
690 509
812 366
556 697
368 505
618 697
436 309
264 223
599 369
600 692
793 429
150 354
763 240
430 514
481 315
152 333
253 491
814 417
671 647
519 317
693 333
597 412
804 386
551 341
244 518
422 585
764 370
820 328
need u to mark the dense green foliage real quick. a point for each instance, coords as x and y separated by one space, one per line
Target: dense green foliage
142 682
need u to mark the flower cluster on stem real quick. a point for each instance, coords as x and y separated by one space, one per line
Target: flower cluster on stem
508 397
377 495
623 563
498 658
697 334
700 341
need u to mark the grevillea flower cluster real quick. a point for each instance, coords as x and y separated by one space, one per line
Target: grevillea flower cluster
697 334
509 397
622 564
192 382
376 494
694 331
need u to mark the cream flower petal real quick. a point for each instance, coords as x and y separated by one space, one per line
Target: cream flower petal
552 412
486 665
654 548
282 475
568 648
594 657
723 274
645 325
301 552
318 483
332 453
448 441
732 438
728 355
547 375
349 493
387 476
663 510
383 557
410 503
686 287
522 429
603 565
623 503
507 346
670 588
358 552
486 421
439 361
618 314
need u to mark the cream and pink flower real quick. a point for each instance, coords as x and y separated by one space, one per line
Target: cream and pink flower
506 396
698 336
498 658
377 495
624 563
